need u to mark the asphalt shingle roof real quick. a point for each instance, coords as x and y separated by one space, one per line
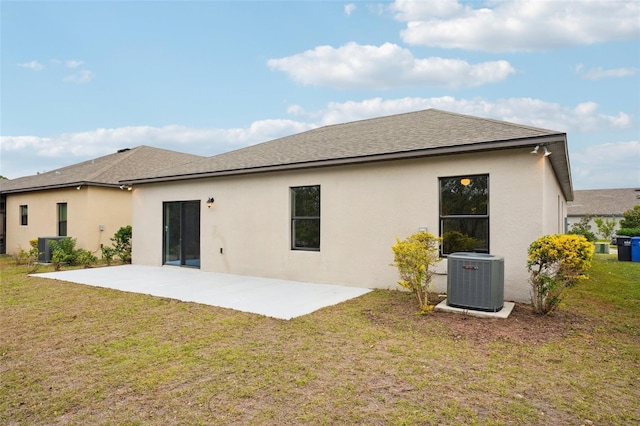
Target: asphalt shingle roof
401 133
413 134
603 202
108 170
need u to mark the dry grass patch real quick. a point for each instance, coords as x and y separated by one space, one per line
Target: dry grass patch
73 354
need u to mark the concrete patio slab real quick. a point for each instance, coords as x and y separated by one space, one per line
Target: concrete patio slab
265 296
502 313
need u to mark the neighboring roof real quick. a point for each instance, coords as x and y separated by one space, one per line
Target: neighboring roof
103 171
415 134
603 202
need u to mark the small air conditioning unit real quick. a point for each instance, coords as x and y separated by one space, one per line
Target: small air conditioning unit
44 249
475 281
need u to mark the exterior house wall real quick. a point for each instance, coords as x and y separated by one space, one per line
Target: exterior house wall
553 201
363 209
87 209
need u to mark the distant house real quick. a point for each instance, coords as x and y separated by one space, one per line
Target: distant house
604 203
85 200
326 205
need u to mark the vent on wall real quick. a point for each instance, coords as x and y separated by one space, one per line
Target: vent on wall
475 281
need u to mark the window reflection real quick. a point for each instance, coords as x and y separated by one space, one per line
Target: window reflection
464 214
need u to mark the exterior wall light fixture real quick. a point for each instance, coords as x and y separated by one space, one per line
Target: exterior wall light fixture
546 152
210 202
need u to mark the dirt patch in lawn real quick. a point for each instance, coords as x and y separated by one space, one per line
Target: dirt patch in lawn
522 326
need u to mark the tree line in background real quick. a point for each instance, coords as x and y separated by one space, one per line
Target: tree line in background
629 226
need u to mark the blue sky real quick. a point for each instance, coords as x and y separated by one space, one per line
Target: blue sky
82 79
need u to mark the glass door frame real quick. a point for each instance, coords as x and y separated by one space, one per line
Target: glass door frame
181 221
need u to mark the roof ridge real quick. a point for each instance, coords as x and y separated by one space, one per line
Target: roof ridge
450 113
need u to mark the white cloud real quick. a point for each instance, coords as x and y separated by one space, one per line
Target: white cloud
582 118
73 63
349 9
522 25
383 67
600 73
607 165
411 10
33 65
80 77
25 155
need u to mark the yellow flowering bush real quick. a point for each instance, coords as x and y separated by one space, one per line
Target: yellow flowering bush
556 263
414 257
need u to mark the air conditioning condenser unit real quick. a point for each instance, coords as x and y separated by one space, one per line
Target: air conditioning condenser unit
475 281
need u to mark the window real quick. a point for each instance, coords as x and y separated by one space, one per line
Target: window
24 215
464 214
305 218
62 219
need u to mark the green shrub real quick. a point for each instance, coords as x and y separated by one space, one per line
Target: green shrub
121 246
414 258
631 218
30 257
63 251
122 243
588 235
605 226
583 227
108 253
629 232
85 258
556 263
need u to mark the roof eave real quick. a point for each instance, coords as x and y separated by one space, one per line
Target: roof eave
58 186
560 163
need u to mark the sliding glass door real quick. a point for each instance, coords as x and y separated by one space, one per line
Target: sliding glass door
181 227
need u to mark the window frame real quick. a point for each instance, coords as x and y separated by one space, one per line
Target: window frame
24 215
295 219
485 217
62 221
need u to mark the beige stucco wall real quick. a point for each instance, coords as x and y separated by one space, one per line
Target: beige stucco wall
87 209
363 209
553 201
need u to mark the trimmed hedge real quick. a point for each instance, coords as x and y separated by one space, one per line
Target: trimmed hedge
628 232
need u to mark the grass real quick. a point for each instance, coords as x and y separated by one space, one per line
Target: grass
75 355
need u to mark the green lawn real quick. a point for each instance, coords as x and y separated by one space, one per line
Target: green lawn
77 355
